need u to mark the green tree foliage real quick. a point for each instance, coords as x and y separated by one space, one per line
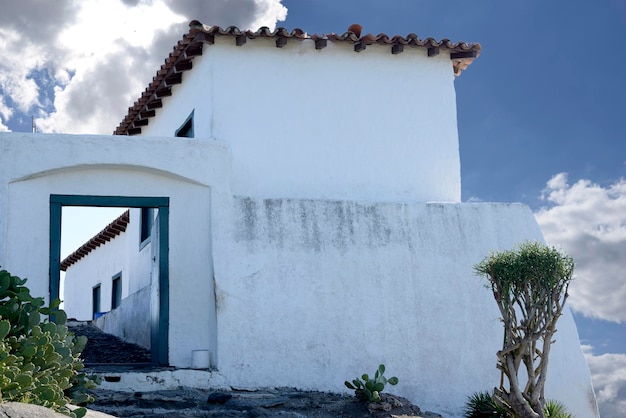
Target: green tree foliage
39 359
530 286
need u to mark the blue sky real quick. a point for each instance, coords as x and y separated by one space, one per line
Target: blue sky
539 112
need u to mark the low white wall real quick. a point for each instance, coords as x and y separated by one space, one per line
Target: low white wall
131 320
311 293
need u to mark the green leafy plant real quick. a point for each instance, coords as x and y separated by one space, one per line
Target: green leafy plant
369 389
482 405
529 285
555 409
39 360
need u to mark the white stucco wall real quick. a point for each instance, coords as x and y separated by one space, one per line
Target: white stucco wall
294 292
343 125
311 293
96 268
191 173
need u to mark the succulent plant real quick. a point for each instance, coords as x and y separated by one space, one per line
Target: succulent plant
369 389
39 360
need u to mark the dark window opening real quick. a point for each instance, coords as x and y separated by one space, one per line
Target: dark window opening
95 301
186 129
147 219
116 291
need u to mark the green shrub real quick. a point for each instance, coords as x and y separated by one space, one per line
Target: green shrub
482 405
555 409
370 389
39 359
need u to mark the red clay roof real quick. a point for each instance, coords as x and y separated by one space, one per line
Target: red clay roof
109 232
180 59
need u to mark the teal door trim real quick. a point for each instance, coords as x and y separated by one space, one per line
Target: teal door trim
160 319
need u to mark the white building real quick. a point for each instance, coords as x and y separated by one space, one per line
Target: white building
112 268
312 227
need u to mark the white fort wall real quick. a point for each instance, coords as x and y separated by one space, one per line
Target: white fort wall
294 292
343 125
311 293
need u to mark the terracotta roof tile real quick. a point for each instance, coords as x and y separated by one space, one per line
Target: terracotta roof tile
108 233
180 59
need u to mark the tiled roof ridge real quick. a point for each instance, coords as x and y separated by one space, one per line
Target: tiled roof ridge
348 36
180 59
108 232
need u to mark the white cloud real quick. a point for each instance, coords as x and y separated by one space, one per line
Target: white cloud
3 127
608 373
19 59
589 222
111 67
5 111
99 56
245 14
268 12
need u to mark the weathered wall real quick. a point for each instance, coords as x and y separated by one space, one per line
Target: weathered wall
310 293
344 125
302 293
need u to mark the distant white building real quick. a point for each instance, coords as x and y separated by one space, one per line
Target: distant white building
308 228
114 266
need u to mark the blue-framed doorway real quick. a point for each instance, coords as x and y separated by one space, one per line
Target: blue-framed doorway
159 315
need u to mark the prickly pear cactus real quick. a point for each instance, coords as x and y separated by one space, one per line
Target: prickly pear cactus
369 389
39 360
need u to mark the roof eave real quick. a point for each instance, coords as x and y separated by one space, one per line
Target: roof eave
191 45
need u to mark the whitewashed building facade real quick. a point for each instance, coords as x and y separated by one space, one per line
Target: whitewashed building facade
308 216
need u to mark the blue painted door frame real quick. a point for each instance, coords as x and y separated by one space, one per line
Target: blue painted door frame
159 318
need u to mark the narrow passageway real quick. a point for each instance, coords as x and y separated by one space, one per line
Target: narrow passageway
107 349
